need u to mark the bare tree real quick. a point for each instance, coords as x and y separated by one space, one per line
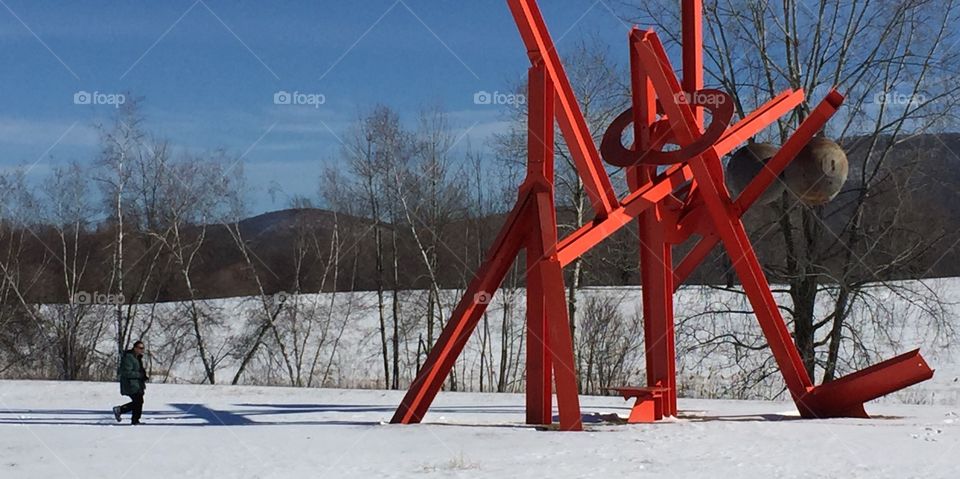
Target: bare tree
368 150
430 201
125 151
609 345
22 330
75 325
195 193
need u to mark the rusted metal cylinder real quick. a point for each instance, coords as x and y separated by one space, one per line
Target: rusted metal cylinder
818 172
744 166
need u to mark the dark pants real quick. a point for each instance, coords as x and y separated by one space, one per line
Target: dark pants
135 406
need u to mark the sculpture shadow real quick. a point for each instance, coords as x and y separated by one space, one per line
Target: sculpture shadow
692 416
183 415
256 414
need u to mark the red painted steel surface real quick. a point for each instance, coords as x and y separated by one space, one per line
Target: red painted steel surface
649 404
687 198
539 169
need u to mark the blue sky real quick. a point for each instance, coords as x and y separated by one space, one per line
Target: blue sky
209 69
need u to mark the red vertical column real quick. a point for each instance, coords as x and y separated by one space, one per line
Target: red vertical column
661 294
656 258
656 278
691 12
558 323
549 343
656 272
539 169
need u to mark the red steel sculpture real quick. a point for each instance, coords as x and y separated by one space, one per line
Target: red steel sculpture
685 196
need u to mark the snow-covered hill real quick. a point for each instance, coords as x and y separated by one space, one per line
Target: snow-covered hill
64 429
720 350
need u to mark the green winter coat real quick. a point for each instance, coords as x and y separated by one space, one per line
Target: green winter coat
132 375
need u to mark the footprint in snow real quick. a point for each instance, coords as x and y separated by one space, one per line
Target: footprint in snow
929 434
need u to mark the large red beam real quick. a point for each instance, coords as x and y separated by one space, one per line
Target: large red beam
758 120
586 237
465 317
541 49
808 128
845 396
539 392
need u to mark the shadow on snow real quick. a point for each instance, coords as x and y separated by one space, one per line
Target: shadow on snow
245 414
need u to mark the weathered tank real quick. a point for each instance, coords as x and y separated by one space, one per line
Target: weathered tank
818 172
745 164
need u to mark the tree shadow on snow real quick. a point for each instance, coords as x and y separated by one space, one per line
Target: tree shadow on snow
698 416
356 408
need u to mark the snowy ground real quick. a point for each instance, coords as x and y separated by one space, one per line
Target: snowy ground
60 429
344 329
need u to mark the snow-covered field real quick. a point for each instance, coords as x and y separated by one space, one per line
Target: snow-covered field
64 429
346 338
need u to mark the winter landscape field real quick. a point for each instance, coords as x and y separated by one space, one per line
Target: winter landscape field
264 222
64 429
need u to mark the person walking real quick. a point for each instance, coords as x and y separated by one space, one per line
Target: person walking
133 383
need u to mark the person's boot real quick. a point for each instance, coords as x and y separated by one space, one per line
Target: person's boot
116 413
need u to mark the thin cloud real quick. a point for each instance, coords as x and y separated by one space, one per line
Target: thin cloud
18 131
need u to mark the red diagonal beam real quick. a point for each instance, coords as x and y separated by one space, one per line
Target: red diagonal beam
540 49
466 316
758 120
580 241
810 126
647 45
836 398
